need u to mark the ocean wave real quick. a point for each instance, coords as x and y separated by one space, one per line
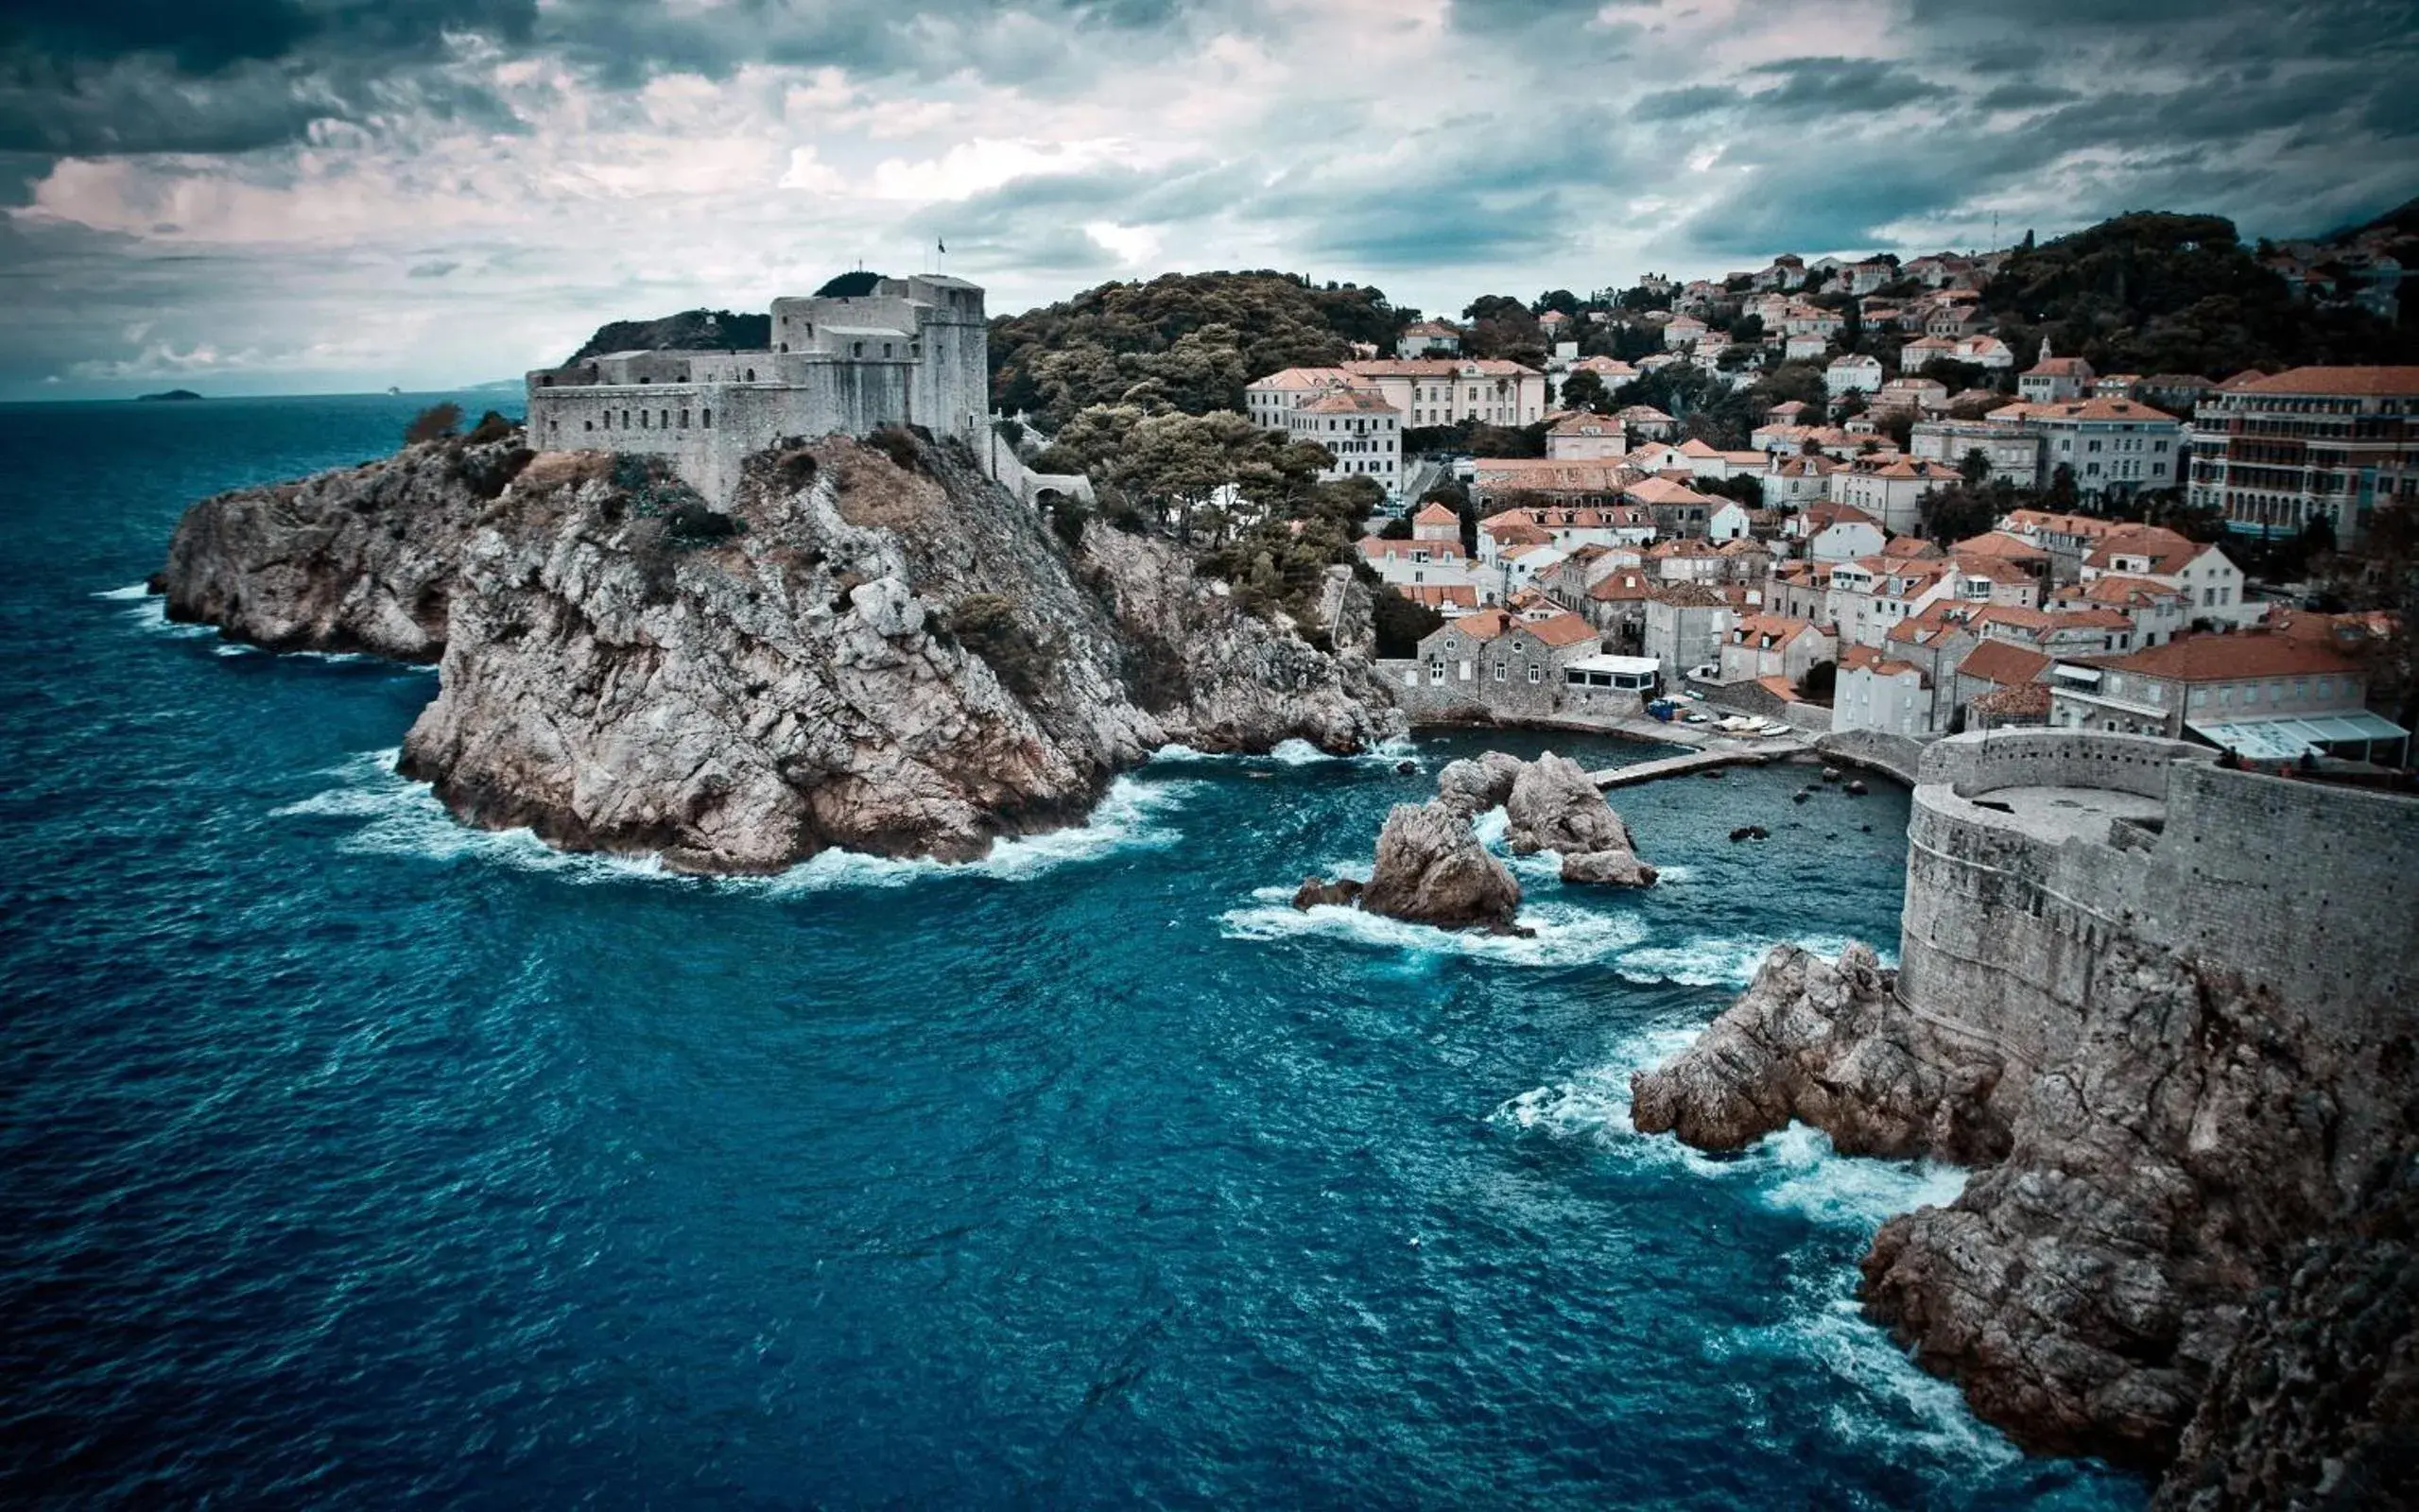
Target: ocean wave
1705 962
1297 752
399 817
1890 1399
1564 935
1795 1169
148 611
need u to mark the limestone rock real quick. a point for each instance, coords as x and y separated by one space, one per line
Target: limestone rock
1318 892
2096 1287
1553 806
1608 869
736 702
1431 870
1827 1042
1475 784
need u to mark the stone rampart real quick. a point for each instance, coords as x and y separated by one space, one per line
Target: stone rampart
1894 756
2300 887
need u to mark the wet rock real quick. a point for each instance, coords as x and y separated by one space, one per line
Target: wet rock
1475 784
1750 831
1855 789
1318 891
1830 774
1431 870
1554 807
898 661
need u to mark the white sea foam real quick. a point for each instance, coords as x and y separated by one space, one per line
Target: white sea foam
1565 935
1795 1169
148 611
1131 815
1890 1398
1719 962
399 817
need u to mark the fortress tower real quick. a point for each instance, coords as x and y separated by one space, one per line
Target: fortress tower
913 350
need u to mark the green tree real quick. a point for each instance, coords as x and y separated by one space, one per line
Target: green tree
1973 468
1585 390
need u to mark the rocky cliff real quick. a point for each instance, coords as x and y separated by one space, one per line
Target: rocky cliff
2093 1288
874 648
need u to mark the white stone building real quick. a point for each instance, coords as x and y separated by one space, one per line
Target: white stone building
1854 373
909 351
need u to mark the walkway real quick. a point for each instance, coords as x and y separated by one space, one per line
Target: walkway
1761 753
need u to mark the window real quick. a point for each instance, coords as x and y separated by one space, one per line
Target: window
1499 672
857 349
642 419
587 425
706 419
751 372
684 420
1536 673
1436 672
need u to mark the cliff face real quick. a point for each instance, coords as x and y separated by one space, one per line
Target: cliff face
875 648
2092 1285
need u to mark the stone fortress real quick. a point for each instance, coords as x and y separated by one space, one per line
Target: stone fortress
910 352
2032 853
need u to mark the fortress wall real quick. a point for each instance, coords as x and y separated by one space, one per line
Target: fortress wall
2057 758
2306 889
2301 888
2003 927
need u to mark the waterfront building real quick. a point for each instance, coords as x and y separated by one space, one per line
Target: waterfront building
2334 444
2265 696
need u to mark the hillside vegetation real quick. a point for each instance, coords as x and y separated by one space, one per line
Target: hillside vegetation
695 330
2154 293
1190 341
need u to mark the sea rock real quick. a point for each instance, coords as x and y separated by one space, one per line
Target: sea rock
897 659
1750 831
1318 891
1431 870
1473 786
1608 869
1552 806
1827 1042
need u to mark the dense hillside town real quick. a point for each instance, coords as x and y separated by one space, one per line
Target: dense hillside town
2144 479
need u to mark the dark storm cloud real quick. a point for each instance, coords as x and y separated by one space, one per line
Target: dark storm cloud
1680 104
1829 86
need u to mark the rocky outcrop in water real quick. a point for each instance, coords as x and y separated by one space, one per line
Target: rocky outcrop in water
1826 1042
1432 870
2091 1288
874 648
1475 784
1552 806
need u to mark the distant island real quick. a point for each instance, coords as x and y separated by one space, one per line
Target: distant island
171 394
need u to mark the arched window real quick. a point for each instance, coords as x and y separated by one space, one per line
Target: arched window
625 420
587 425
785 346
663 420
706 420
684 420
751 372
642 419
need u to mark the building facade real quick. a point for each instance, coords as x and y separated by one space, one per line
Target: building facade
2310 443
911 352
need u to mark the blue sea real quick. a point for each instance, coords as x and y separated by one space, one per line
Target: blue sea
352 1159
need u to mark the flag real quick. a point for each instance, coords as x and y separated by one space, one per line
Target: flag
942 245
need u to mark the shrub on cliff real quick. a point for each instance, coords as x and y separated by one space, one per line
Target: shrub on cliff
491 427
434 424
986 624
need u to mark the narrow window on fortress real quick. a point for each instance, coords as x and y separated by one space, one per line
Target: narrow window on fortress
625 420
706 420
857 349
587 425
642 419
684 420
663 420
886 349
751 372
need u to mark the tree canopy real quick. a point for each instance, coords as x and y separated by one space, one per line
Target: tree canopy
1190 341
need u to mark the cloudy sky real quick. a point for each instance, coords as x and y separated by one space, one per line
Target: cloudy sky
282 196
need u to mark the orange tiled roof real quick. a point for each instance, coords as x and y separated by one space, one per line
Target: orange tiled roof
2225 658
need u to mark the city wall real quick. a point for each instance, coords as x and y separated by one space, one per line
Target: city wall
2301 889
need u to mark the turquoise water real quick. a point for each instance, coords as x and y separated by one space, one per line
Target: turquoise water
350 1157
